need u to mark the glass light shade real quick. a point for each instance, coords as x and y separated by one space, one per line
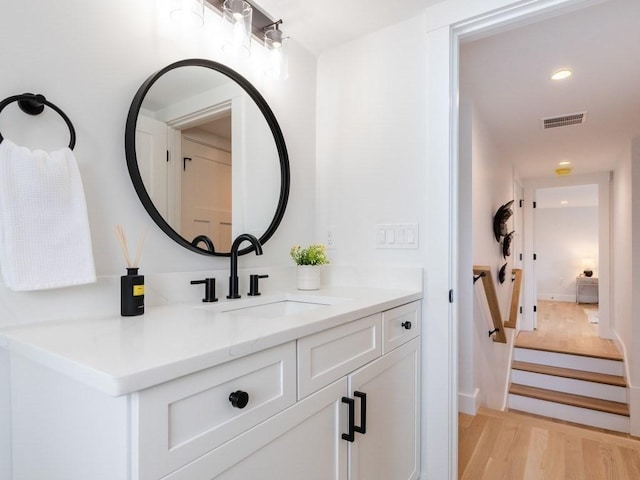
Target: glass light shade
187 12
238 13
276 61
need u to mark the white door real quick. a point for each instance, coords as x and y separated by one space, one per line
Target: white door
303 442
151 150
389 448
206 193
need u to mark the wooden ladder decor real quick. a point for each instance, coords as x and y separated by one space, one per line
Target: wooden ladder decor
492 299
515 298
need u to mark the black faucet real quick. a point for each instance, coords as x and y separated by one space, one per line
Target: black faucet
233 279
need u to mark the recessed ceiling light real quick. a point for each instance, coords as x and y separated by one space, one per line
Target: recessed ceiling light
561 74
564 202
566 163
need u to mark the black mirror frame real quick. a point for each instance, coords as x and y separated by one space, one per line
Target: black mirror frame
132 159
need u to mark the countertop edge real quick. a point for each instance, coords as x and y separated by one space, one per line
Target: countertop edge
117 385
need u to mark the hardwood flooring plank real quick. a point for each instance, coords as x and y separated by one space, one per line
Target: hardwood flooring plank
553 460
631 460
574 465
468 440
533 469
481 453
594 466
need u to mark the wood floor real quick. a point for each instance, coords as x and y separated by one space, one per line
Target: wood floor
564 327
512 446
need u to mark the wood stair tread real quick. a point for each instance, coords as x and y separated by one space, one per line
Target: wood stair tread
595 377
544 348
607 406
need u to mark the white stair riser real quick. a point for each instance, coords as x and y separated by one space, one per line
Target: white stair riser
584 416
570 385
576 362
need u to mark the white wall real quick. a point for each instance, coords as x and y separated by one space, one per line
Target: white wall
89 58
371 146
492 186
563 238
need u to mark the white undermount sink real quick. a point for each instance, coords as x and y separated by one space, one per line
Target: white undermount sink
273 306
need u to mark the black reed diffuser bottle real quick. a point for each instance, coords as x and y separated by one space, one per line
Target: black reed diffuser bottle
131 284
131 293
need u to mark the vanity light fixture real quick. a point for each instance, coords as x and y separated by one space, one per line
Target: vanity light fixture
239 14
189 13
561 74
274 42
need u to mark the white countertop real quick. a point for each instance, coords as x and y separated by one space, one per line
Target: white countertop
120 355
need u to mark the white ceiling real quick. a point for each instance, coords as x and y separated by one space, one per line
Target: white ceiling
507 74
567 197
318 26
507 78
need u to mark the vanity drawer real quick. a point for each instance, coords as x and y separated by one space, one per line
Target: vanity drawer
328 355
179 421
400 325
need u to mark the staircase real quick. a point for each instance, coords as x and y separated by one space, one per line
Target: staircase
584 389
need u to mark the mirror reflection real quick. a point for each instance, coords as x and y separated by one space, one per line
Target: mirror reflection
207 157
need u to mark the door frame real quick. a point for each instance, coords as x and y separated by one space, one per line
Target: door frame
603 181
448 23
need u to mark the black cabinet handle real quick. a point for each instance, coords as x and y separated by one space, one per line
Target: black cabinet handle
406 325
363 412
239 399
350 437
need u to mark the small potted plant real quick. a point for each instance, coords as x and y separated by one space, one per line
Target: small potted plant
309 260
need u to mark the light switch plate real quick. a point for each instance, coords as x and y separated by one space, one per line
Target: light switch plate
396 235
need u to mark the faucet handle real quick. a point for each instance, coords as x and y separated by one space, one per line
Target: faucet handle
254 290
209 289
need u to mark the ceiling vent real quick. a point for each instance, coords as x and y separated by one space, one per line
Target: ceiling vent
564 120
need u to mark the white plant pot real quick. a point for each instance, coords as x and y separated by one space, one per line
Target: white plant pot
308 277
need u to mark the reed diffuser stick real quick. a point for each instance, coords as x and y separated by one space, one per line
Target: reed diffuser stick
136 260
125 249
123 245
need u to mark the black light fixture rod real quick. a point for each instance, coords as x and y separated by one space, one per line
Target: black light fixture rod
274 25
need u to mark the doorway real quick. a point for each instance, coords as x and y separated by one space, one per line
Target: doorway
445 29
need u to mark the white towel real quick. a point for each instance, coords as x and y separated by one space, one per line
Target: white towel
45 240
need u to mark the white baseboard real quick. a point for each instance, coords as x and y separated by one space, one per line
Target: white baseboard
558 297
584 416
468 403
634 410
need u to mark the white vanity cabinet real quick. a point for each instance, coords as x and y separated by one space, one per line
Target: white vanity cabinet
302 415
309 440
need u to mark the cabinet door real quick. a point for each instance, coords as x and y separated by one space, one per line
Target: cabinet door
389 448
302 442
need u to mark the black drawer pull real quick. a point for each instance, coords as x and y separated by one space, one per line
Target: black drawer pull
406 325
239 399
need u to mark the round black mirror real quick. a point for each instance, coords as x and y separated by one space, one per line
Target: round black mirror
206 156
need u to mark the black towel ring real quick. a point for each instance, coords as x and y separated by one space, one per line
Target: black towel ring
33 104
